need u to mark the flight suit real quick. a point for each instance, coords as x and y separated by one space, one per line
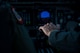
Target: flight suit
65 42
14 37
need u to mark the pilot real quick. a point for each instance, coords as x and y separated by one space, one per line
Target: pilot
14 37
63 41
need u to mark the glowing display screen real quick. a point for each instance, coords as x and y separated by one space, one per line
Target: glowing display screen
45 14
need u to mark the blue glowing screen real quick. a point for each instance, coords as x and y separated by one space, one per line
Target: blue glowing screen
45 14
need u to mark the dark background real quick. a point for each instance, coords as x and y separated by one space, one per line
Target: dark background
58 9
